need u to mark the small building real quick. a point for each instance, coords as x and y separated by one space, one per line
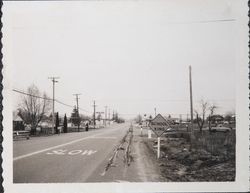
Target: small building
18 123
216 119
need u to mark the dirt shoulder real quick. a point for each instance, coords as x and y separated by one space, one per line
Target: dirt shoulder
180 164
145 160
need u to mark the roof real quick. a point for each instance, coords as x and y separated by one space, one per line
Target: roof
16 117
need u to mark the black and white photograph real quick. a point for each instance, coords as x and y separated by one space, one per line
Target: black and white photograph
125 96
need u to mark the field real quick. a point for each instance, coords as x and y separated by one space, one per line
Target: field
207 156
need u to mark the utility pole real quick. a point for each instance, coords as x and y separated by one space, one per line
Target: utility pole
155 111
78 114
105 116
94 114
191 96
53 79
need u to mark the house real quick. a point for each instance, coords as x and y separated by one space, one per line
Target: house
18 123
216 119
172 121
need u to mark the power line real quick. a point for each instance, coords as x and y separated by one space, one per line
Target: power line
44 98
71 106
168 100
21 92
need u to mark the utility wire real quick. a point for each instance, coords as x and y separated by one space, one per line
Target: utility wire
72 106
63 103
21 92
168 100
45 98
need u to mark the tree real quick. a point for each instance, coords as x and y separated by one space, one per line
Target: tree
116 117
84 117
65 124
33 108
212 110
75 119
57 123
200 117
99 116
197 120
138 119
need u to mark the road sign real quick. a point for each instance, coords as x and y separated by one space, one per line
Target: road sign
159 125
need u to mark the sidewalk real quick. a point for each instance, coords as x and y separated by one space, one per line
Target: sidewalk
145 160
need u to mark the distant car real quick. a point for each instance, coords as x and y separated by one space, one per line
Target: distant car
220 129
170 129
27 128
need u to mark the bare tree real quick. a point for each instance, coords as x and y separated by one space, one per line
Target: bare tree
202 116
33 108
212 109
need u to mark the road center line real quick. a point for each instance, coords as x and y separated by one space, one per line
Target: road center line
50 148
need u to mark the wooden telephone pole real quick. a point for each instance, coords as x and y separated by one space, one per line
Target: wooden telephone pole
191 108
105 123
191 96
53 79
78 114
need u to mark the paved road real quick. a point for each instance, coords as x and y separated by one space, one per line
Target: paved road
77 157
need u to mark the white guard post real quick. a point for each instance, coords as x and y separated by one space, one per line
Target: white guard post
149 133
158 147
141 131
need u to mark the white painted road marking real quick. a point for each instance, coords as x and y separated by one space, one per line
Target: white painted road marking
50 148
58 152
90 152
72 152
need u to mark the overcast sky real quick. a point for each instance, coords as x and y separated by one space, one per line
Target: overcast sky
129 55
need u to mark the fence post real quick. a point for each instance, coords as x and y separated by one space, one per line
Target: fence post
158 147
